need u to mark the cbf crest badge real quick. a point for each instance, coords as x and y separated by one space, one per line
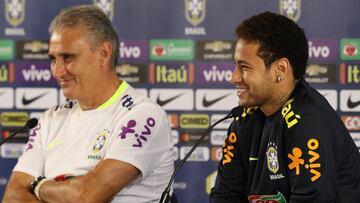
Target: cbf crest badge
15 11
195 11
272 158
291 9
100 140
107 6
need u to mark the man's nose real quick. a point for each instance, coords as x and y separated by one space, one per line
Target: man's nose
58 68
236 76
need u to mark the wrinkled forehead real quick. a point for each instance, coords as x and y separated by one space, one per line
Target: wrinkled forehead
67 39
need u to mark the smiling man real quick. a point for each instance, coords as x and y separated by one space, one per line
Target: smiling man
289 145
108 143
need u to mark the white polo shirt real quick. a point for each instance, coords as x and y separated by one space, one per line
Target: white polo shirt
128 127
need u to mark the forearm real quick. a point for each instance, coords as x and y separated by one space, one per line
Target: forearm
99 185
62 192
73 190
18 195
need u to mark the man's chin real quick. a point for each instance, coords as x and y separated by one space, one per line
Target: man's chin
69 95
246 104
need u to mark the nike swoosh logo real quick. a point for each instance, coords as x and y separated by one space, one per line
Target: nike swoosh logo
253 158
163 102
26 101
53 144
207 103
351 104
325 94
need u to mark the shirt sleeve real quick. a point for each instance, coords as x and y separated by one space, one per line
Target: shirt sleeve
32 160
310 160
230 184
143 139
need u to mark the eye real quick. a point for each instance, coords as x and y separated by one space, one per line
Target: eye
68 58
52 59
245 67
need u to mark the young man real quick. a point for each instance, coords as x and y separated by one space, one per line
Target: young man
289 145
110 144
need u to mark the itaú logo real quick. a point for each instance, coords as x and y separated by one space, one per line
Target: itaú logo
351 122
349 73
7 73
175 73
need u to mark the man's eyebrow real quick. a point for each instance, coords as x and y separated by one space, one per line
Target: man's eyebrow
61 54
242 62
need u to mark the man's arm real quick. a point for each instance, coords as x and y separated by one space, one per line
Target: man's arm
311 159
99 185
17 190
230 185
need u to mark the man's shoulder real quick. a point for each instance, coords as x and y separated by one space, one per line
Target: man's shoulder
60 110
135 100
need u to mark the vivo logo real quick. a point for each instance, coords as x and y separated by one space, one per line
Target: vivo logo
129 51
34 74
318 51
215 75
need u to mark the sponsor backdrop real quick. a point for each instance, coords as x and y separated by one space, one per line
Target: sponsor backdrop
179 53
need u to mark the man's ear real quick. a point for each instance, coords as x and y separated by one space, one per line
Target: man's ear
282 69
105 54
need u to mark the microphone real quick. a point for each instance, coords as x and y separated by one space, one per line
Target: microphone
30 124
165 196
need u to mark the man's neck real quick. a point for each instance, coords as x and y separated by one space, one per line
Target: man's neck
280 97
106 91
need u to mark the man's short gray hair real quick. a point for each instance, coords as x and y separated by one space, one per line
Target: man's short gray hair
94 20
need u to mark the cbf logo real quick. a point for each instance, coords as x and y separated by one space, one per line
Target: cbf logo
272 158
15 15
195 14
99 144
107 6
100 140
291 9
15 11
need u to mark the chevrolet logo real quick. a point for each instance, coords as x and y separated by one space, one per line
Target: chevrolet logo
316 70
218 46
36 46
126 69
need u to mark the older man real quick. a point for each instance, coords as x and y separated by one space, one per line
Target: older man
109 143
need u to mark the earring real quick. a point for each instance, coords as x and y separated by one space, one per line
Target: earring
279 78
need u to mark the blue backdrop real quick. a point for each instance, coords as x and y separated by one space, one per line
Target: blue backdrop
173 47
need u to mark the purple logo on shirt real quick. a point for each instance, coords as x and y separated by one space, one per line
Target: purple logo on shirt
140 136
32 135
127 129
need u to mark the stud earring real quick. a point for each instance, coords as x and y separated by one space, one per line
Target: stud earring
279 78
